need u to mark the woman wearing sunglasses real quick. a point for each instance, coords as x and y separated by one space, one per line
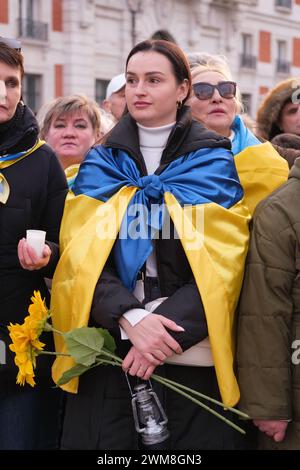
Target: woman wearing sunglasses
216 103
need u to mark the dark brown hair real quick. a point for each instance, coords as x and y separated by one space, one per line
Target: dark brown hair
173 53
12 57
163 34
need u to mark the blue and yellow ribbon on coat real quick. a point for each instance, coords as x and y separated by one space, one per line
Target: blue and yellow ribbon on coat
11 159
71 172
203 186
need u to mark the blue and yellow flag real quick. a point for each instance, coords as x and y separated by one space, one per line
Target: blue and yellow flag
202 194
11 159
71 173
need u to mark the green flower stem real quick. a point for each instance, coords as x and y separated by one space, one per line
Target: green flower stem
54 353
194 392
175 386
49 327
183 387
111 355
106 361
207 408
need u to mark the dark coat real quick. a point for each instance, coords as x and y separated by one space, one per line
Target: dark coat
269 314
176 280
288 153
37 193
100 415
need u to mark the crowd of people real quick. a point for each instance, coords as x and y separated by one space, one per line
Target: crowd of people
219 315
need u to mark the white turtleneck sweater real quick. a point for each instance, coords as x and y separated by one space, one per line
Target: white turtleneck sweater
153 141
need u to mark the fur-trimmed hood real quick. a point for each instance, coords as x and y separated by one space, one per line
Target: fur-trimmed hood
271 106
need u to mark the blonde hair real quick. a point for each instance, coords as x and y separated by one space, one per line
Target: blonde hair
216 63
201 58
67 105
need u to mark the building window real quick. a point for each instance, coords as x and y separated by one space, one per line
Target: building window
100 90
247 100
28 9
247 59
282 65
283 3
31 91
28 24
247 44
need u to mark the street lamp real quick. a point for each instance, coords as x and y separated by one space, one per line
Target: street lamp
134 8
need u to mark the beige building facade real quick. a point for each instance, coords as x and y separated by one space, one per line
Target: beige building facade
76 46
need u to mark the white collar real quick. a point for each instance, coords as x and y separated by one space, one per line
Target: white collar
154 137
232 135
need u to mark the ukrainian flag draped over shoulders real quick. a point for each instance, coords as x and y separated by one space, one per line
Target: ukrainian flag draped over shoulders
204 198
202 194
260 167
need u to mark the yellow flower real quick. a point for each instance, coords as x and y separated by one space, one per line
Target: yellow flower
25 339
38 310
88 347
19 337
26 369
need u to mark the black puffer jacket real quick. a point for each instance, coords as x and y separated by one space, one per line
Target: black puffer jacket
184 305
37 192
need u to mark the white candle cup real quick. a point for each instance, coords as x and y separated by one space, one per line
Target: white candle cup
36 239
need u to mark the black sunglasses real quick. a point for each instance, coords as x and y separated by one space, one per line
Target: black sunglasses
205 91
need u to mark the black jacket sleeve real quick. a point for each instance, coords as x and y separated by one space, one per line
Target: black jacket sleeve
56 194
186 309
48 271
57 189
111 299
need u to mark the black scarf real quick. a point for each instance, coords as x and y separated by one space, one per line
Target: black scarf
19 133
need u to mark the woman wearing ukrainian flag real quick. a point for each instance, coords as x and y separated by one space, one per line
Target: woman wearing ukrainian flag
153 243
216 102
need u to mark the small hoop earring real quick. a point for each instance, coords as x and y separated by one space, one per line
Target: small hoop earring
179 104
